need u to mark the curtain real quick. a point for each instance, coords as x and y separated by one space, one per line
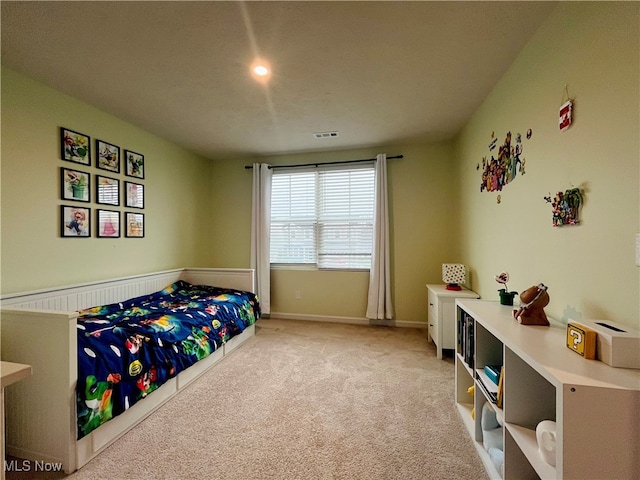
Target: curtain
379 304
260 238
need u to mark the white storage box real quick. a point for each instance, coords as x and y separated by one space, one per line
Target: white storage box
617 345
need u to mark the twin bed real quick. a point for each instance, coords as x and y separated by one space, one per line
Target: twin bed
105 355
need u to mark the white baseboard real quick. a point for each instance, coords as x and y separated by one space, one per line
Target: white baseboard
348 320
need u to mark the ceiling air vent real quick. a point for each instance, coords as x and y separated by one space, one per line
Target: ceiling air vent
325 134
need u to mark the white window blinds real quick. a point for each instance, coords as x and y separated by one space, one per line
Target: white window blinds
323 217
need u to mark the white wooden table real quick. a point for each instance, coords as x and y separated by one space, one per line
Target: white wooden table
10 373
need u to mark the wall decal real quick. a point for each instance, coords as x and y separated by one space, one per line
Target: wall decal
500 171
566 207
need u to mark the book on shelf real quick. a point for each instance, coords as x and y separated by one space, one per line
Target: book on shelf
459 333
500 388
469 340
489 388
493 372
465 337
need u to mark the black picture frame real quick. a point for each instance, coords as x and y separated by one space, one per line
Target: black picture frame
75 221
75 146
75 185
134 164
133 195
107 190
107 224
107 156
134 225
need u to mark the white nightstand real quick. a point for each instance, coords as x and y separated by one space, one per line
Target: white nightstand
442 315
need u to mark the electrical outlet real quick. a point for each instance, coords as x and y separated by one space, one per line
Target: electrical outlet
297 293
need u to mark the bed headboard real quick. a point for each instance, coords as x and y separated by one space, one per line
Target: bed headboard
238 278
77 297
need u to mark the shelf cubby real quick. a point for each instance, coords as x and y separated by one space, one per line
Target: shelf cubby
595 406
532 398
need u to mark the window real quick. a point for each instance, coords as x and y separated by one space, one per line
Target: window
323 217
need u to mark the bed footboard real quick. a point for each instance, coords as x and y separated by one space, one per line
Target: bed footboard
40 410
38 328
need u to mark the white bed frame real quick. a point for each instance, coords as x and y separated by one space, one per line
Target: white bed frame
41 410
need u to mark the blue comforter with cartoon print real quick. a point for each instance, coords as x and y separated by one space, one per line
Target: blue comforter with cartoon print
127 350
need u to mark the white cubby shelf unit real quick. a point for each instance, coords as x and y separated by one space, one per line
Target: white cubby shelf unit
596 407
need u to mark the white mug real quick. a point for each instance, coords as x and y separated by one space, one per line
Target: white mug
546 436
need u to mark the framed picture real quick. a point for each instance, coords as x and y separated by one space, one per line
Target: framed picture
75 147
134 225
108 190
75 185
108 156
135 164
75 221
134 195
108 224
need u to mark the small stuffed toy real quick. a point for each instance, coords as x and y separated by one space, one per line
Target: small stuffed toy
492 438
471 391
531 311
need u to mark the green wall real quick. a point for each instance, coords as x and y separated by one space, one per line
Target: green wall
199 211
593 48
422 212
33 254
439 214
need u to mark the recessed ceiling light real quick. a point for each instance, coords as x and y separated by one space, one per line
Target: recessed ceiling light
261 70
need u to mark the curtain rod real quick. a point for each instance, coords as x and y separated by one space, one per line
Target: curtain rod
324 163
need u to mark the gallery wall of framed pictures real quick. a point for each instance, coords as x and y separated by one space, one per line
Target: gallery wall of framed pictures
108 190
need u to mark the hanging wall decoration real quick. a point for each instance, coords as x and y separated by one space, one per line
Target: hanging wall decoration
566 207
108 156
75 221
505 162
75 147
566 111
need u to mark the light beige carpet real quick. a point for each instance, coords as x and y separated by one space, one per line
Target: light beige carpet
305 400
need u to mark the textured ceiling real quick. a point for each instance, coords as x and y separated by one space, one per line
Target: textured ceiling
379 73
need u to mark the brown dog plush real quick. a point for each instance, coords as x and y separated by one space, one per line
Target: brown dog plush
533 300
